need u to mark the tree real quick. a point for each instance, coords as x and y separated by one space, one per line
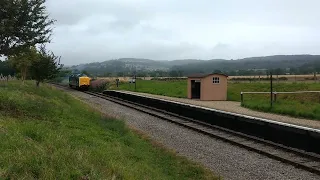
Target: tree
141 74
120 74
174 73
107 74
217 71
23 23
47 66
5 69
85 72
23 60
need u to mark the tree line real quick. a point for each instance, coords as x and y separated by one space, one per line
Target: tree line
180 73
278 65
24 32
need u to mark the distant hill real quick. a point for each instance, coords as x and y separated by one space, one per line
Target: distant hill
253 63
187 66
123 65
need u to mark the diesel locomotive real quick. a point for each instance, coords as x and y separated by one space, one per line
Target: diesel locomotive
79 81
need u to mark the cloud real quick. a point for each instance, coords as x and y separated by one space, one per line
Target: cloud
98 30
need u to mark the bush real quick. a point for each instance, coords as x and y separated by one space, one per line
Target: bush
283 78
98 85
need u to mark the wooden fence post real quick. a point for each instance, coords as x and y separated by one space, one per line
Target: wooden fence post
241 97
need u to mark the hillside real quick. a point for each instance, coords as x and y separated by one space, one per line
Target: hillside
284 63
48 134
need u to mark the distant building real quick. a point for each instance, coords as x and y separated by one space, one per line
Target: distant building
208 87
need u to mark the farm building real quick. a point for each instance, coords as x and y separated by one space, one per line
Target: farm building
208 87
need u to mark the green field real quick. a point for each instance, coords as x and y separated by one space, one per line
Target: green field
48 134
296 105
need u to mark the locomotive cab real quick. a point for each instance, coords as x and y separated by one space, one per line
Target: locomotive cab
79 81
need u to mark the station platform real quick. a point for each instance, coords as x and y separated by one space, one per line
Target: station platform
235 107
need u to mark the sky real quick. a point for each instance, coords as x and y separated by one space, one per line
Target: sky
98 30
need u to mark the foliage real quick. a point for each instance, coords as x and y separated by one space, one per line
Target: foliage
302 105
6 69
48 134
47 66
85 72
98 85
24 23
23 60
41 64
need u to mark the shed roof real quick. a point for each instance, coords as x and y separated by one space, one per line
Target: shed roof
199 75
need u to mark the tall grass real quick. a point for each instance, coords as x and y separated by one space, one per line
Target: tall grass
47 134
296 105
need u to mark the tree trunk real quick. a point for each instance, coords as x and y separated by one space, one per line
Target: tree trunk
37 83
24 74
22 77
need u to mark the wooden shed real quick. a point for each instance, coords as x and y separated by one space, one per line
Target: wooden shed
208 87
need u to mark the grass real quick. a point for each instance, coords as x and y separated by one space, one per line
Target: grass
48 134
165 88
295 105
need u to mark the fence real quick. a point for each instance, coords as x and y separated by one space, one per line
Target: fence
277 78
7 78
274 94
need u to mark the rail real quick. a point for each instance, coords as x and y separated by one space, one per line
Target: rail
274 93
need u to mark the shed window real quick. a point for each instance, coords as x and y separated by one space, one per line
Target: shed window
215 80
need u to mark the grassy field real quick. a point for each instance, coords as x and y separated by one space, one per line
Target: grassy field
296 105
47 134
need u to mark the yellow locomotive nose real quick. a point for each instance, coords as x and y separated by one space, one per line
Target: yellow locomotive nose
84 81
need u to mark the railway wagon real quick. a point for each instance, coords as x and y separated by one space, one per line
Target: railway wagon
79 81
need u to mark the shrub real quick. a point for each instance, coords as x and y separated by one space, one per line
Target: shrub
98 85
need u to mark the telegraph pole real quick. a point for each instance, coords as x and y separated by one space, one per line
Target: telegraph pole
135 82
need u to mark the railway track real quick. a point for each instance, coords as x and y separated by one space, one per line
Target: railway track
303 160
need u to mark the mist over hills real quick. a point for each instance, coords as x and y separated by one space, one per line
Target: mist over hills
282 63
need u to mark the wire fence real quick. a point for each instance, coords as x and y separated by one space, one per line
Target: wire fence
274 94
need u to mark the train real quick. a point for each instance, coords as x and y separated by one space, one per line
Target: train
79 81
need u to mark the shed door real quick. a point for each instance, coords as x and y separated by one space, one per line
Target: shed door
195 89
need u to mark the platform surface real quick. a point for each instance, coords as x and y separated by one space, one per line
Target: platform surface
235 107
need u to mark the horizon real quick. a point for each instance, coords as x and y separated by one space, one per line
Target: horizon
196 59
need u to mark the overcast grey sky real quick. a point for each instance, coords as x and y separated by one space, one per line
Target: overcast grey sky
98 30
